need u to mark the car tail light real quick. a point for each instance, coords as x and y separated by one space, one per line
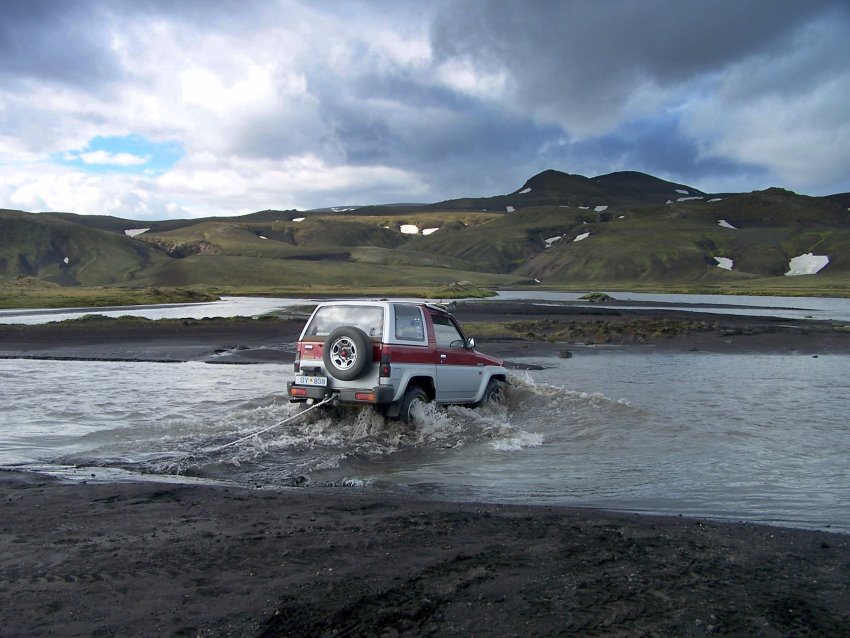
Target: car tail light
386 369
365 396
297 364
298 392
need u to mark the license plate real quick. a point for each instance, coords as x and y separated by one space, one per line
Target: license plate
305 380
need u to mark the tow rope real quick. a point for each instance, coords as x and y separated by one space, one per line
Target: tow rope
272 427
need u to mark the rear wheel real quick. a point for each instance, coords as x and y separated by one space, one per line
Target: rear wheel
413 398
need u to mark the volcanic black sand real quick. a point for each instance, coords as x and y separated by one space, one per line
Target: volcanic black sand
147 559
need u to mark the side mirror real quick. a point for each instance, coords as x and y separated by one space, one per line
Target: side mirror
470 343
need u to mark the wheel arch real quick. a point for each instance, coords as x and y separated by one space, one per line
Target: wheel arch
424 382
499 375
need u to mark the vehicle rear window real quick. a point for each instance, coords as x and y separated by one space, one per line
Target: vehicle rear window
369 319
408 323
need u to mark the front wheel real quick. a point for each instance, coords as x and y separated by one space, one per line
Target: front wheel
495 392
413 398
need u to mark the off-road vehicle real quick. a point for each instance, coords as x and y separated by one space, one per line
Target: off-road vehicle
391 355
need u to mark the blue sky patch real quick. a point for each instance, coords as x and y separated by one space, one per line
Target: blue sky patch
131 154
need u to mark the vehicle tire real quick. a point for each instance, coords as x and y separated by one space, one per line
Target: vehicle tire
413 396
347 353
494 393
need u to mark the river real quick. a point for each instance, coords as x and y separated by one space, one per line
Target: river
745 437
823 308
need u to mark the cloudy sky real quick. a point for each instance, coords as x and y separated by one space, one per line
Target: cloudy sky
160 109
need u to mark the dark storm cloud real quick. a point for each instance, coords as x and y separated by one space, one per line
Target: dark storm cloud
462 145
227 15
655 147
55 41
579 63
69 41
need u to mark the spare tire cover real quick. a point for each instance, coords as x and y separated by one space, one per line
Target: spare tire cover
347 353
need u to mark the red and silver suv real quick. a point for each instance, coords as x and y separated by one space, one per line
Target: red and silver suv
392 355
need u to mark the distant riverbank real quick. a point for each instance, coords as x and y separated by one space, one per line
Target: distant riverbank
504 328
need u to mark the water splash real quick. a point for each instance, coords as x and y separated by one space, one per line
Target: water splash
322 441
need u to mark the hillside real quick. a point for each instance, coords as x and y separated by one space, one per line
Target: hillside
70 253
624 229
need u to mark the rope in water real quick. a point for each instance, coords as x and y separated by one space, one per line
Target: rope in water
271 427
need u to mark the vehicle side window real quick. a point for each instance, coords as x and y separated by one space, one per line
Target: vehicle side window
447 334
408 323
369 319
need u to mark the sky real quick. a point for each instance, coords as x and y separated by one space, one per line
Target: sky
157 109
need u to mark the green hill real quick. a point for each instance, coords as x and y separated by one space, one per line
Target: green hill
68 253
624 229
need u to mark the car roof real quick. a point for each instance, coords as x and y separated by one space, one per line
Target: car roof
386 302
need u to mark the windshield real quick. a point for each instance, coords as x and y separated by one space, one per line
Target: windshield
370 319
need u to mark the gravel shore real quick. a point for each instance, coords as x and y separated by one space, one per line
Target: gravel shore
144 559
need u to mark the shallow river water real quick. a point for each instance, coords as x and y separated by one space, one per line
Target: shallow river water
742 437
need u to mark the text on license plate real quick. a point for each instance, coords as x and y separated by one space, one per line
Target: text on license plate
305 380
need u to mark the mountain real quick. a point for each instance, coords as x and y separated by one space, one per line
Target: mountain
71 253
554 188
620 229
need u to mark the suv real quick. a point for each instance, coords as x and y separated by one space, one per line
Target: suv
392 355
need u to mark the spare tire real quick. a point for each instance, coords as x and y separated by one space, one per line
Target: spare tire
347 353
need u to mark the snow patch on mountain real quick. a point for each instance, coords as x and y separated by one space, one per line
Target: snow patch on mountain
807 264
724 262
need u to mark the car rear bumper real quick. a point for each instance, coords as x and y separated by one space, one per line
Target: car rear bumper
376 395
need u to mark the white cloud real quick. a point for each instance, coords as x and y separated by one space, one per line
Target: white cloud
210 185
251 126
203 185
46 187
463 76
105 158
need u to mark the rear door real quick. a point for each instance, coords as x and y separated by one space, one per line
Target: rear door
458 373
